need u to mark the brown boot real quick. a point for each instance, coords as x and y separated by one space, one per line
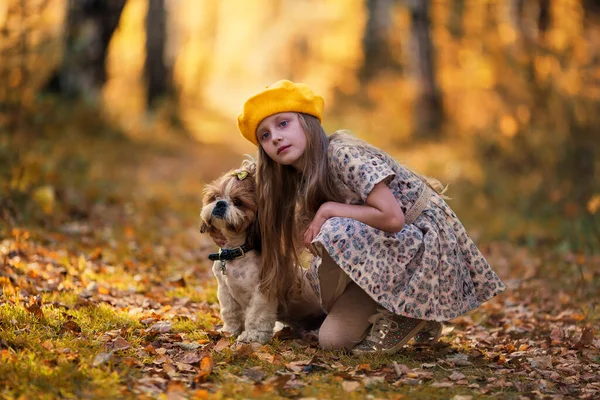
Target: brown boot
388 333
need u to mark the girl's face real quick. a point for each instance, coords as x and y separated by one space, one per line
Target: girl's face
282 138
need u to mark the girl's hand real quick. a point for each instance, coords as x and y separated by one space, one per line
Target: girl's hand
322 215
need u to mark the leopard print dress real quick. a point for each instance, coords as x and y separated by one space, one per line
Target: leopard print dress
430 270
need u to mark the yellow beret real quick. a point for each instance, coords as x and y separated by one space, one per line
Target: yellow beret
282 96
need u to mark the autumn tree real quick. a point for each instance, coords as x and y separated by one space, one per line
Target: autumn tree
155 68
377 54
89 27
429 111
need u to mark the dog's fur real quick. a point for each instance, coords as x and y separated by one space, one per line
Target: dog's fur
229 215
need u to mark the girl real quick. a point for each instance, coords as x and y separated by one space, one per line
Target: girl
391 259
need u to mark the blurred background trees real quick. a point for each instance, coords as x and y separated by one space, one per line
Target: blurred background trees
88 28
500 98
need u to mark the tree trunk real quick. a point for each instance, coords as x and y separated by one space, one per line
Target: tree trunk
543 18
455 26
156 70
90 26
516 16
428 109
376 50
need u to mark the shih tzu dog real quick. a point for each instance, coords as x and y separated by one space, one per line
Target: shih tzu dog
229 215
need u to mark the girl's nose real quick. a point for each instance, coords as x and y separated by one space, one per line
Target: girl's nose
276 137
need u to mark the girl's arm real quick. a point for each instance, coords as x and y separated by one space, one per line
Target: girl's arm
381 211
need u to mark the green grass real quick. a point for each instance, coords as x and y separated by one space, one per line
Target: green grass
44 361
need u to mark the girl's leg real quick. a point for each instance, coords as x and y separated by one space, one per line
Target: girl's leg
347 322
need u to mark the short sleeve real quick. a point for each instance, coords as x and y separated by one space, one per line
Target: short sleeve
359 169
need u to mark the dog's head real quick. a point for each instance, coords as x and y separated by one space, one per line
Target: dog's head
229 206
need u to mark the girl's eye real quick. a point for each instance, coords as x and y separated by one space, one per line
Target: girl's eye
283 124
264 136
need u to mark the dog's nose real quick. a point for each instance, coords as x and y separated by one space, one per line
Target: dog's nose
220 209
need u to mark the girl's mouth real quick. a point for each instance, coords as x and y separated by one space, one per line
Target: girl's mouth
282 149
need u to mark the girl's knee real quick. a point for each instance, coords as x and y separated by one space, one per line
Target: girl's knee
331 341
337 338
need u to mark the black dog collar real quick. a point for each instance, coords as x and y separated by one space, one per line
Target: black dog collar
230 254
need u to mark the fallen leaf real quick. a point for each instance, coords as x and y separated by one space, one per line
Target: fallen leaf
350 386
70 326
47 344
177 282
556 335
131 361
372 380
442 384
121 344
284 334
363 368
243 350
587 337
161 359
264 356
188 346
541 362
297 366
206 367
420 374
101 358
256 374
171 370
176 391
183 366
455 376
201 394
160 327
190 358
36 310
401 369
278 382
461 360
222 344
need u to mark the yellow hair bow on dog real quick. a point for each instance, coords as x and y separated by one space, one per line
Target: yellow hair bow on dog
241 174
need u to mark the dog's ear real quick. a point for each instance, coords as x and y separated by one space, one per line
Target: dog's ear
203 227
254 239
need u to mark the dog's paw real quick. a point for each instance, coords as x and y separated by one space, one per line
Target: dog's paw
234 330
255 336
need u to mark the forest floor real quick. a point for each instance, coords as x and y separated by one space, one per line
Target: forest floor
106 292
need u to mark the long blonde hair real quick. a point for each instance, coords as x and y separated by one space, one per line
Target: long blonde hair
288 201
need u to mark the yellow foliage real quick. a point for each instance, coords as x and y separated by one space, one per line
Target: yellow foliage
593 204
45 198
507 33
124 92
523 114
508 126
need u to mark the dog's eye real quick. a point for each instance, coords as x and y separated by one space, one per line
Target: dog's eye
212 198
237 202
